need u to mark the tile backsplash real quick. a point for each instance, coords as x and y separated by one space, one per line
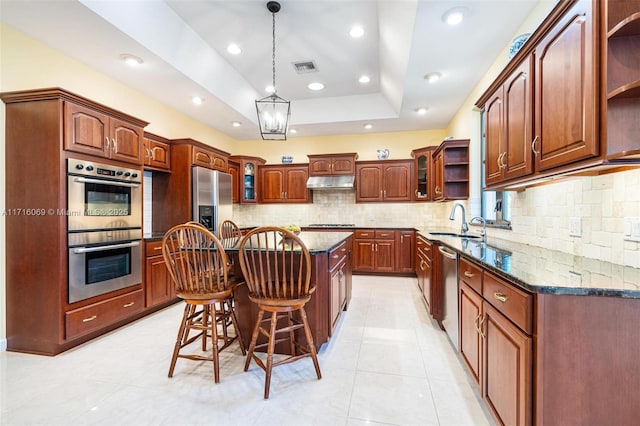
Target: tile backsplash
540 216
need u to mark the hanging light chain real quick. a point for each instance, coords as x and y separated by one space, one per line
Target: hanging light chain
273 55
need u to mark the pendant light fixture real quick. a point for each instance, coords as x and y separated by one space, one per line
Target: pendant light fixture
273 111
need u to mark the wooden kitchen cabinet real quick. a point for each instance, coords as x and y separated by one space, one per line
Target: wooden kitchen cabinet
423 173
332 164
340 281
234 171
159 288
386 180
496 342
451 170
427 271
248 178
94 132
405 251
157 152
566 126
508 128
283 184
210 158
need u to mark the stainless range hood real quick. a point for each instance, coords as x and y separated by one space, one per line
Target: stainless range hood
331 182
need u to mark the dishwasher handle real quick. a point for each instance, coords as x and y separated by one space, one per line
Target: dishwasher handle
447 253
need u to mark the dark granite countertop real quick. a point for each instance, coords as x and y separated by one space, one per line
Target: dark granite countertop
316 242
155 236
540 270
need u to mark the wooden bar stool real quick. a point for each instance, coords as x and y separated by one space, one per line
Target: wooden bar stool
198 266
277 269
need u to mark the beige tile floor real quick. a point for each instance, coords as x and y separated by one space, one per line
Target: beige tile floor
387 364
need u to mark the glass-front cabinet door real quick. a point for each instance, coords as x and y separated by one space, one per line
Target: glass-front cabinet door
423 174
247 178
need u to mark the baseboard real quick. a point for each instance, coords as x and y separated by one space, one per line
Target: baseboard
3 345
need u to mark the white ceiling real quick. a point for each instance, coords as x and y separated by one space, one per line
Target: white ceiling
183 45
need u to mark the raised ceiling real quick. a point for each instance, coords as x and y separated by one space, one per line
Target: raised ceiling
184 48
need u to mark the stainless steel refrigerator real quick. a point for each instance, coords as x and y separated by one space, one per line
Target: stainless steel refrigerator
212 197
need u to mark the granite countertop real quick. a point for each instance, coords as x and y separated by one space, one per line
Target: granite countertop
540 270
316 242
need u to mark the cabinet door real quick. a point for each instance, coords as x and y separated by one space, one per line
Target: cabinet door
158 154
423 174
126 141
369 182
507 374
234 171
438 177
385 254
320 166
397 182
202 157
494 134
470 339
271 185
343 165
517 159
565 109
363 255
247 181
296 184
86 131
334 308
405 243
427 291
159 287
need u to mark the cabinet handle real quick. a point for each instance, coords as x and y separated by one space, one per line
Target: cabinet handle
385 193
476 323
158 248
501 163
468 274
114 145
365 234
499 296
335 256
437 189
128 305
108 143
422 265
482 320
90 318
533 146
401 239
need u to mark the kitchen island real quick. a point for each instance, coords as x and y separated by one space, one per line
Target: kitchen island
330 273
548 337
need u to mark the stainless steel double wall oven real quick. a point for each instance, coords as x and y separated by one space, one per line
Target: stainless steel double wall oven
104 228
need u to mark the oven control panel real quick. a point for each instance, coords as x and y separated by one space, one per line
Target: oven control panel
100 170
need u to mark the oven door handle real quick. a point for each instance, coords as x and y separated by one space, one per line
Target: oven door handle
447 253
106 182
80 250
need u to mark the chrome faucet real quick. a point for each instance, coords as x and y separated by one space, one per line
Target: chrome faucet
465 226
483 232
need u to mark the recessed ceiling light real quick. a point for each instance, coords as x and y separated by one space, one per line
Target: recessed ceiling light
270 89
131 60
234 49
293 131
236 123
432 77
368 126
356 31
422 110
197 100
315 86
454 16
364 79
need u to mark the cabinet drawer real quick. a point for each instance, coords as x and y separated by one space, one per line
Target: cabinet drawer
512 302
336 255
154 248
471 274
365 233
102 314
385 234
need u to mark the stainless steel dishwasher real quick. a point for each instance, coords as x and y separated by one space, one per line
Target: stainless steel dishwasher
449 264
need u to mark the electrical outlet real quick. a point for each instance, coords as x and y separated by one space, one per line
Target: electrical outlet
632 229
575 279
575 227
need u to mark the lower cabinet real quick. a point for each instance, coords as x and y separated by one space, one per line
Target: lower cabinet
159 288
384 251
496 342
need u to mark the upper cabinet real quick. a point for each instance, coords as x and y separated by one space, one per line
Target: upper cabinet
622 90
423 173
247 182
332 164
210 158
283 184
157 152
93 131
384 180
451 170
569 100
566 122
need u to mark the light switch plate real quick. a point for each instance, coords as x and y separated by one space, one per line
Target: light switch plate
632 229
575 227
575 279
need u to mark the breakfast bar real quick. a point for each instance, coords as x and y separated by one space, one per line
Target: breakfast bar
330 273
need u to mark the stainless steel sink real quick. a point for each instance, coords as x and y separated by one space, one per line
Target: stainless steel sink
453 234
